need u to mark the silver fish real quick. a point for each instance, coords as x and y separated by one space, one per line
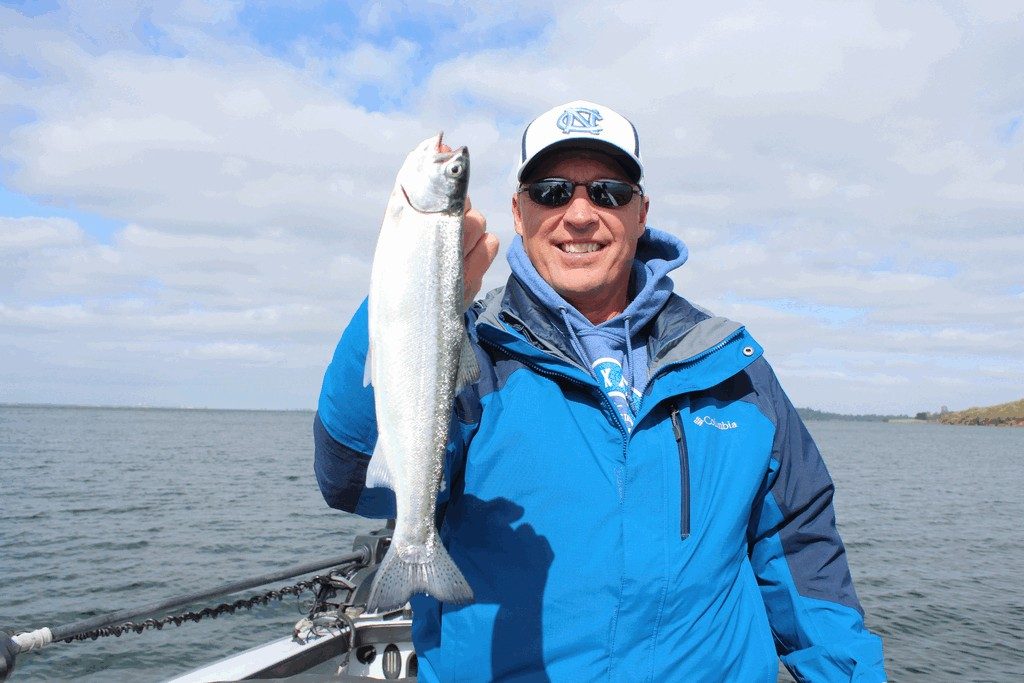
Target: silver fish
419 357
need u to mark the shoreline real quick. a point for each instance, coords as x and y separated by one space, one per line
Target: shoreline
911 420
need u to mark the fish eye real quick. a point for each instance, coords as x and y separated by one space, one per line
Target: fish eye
455 170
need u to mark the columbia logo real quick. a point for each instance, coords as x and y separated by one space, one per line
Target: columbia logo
709 421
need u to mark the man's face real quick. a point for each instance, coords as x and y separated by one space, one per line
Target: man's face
560 241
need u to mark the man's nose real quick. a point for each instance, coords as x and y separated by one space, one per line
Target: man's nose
580 213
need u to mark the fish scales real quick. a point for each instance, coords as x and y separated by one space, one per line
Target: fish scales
417 334
416 389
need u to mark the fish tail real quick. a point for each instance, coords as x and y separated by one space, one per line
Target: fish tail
397 579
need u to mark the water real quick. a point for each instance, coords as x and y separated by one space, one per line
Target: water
102 509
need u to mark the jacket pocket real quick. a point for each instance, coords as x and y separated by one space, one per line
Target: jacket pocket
684 472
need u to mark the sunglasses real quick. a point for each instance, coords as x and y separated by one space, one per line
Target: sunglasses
554 192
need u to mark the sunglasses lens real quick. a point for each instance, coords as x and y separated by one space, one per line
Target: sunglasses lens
551 192
558 191
610 193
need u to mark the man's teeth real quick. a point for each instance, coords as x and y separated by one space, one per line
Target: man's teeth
579 247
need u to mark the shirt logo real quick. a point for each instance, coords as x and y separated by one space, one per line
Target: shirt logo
580 120
709 421
625 398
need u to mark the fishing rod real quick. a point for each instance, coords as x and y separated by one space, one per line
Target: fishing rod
11 646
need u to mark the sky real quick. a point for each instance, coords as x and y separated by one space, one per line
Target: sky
190 191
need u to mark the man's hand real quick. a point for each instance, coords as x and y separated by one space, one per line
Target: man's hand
479 248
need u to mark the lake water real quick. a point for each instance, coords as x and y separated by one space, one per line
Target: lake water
103 509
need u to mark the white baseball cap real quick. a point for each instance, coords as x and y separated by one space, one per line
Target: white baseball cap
585 125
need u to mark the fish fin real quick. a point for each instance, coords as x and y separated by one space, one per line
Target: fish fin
367 369
469 369
378 474
397 580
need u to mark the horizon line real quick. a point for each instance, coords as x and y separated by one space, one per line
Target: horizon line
306 410
21 404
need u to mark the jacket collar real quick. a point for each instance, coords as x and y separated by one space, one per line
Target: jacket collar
680 333
514 306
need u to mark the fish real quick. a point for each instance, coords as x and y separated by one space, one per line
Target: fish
419 358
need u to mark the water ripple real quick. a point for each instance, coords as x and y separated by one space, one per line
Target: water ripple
125 507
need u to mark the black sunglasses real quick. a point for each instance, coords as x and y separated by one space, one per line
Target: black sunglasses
554 192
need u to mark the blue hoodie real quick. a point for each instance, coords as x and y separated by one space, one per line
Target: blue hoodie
615 351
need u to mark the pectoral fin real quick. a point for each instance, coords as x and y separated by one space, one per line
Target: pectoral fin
378 474
469 369
368 368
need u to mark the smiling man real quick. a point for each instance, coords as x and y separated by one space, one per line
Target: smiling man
630 493
580 247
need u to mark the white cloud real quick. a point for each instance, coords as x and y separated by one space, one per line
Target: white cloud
842 174
387 70
222 351
18 235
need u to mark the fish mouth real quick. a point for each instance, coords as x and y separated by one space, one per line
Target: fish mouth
435 178
446 154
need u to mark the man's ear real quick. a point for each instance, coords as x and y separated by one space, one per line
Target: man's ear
517 217
643 212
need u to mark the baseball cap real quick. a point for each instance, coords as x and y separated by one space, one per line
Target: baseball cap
584 125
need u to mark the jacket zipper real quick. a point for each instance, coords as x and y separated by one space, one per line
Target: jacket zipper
692 360
557 375
677 429
605 400
684 474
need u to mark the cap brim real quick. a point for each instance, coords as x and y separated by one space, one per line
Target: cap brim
629 164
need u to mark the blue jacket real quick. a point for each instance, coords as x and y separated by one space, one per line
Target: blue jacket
701 546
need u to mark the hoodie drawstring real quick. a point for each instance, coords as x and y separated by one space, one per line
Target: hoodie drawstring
574 341
581 350
629 358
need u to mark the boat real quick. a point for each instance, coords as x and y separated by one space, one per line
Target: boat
337 641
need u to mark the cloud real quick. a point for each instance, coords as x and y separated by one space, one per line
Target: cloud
22 235
222 351
388 71
849 178
242 143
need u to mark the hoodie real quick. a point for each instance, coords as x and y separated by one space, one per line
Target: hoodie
615 351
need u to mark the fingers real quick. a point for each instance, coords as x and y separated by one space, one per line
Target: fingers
474 225
476 263
479 248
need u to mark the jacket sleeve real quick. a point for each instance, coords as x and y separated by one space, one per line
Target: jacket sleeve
345 428
800 561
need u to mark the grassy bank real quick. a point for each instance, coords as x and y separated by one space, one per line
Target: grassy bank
1004 415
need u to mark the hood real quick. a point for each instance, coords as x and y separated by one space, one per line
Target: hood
612 352
657 254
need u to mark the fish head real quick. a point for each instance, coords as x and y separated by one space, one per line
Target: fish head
435 180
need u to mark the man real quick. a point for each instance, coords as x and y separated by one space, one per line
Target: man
629 491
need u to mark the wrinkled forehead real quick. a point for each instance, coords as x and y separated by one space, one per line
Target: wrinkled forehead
578 164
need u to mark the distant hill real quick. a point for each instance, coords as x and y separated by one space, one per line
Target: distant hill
812 414
1003 415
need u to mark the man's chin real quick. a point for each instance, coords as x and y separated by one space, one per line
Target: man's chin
577 291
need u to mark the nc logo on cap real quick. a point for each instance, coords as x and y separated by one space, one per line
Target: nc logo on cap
580 120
